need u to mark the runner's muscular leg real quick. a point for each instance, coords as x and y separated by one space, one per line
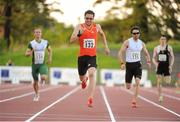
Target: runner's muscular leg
159 84
35 86
92 81
128 85
137 86
44 77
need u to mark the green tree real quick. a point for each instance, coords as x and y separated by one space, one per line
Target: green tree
138 16
167 18
152 25
20 17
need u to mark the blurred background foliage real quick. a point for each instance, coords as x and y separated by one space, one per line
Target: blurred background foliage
18 18
155 17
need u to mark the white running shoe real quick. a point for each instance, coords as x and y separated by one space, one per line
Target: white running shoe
36 98
161 99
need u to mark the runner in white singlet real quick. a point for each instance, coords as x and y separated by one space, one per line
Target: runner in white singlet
132 49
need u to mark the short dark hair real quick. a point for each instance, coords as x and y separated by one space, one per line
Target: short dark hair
37 28
163 35
135 28
89 12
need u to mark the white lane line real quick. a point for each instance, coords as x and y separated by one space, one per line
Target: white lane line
169 90
107 104
166 95
13 89
8 86
59 100
151 102
24 95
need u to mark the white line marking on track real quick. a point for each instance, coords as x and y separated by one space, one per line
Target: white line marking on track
59 100
166 95
24 95
170 90
107 104
151 102
13 89
8 86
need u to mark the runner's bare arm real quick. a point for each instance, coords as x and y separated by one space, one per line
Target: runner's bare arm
49 54
154 58
172 56
148 59
101 32
28 52
122 52
74 35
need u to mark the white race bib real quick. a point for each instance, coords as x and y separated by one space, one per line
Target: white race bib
39 57
135 55
162 57
89 43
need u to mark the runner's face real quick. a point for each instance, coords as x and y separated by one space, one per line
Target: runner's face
135 34
89 19
163 40
37 33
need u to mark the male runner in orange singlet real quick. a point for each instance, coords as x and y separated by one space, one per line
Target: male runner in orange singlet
87 33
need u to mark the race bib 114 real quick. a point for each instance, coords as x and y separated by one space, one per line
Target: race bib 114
39 57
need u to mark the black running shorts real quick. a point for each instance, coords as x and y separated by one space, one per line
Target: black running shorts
163 69
85 62
133 69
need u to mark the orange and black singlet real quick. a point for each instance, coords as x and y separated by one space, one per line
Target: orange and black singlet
87 41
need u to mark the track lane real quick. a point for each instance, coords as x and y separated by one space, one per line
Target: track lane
23 108
120 102
14 89
8 93
4 86
75 108
169 91
168 102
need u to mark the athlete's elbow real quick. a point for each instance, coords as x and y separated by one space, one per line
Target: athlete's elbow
71 40
26 54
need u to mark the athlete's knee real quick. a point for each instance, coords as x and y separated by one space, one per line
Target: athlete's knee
159 78
128 85
137 81
167 79
43 77
35 82
91 74
82 78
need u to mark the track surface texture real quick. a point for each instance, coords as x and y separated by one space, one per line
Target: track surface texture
69 103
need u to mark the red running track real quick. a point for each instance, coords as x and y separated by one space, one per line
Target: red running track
69 103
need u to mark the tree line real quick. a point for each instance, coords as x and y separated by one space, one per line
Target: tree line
155 17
